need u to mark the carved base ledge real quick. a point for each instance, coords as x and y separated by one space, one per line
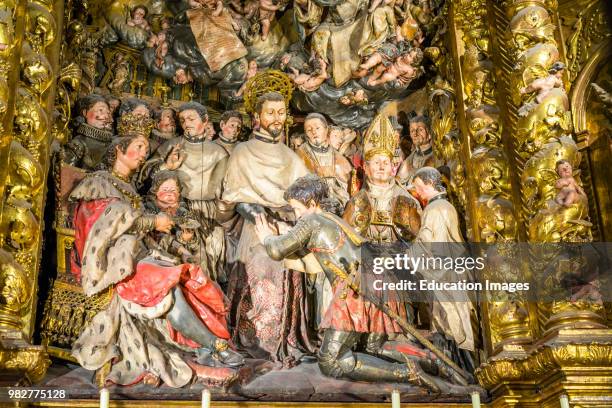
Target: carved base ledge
21 363
576 362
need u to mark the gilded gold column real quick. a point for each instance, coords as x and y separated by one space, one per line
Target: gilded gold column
470 141
571 350
30 32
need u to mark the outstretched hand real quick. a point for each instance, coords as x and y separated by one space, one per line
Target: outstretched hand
262 227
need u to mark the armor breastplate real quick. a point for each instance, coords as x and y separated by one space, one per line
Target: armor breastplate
329 242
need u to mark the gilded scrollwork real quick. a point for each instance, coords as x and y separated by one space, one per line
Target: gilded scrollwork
585 26
593 351
25 174
530 26
496 218
490 170
554 205
21 225
15 288
40 27
489 167
31 122
32 361
36 71
7 38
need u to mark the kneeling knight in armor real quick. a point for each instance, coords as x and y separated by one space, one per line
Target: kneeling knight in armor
350 318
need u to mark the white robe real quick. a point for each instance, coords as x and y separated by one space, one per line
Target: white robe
451 311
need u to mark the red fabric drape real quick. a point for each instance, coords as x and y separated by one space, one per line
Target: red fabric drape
151 282
85 216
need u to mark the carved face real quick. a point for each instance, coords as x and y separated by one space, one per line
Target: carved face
425 191
296 141
210 131
182 77
272 117
379 169
135 154
405 59
168 194
192 123
187 234
336 138
138 15
302 210
113 104
231 128
166 122
564 170
141 110
419 134
316 132
98 116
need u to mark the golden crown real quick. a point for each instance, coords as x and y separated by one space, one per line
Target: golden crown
135 125
379 138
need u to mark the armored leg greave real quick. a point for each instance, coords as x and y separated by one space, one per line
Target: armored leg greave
336 359
378 345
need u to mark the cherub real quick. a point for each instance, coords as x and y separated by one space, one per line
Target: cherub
402 70
215 5
310 82
569 190
382 57
544 85
165 23
182 76
251 72
138 18
210 132
155 40
267 11
121 73
357 97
